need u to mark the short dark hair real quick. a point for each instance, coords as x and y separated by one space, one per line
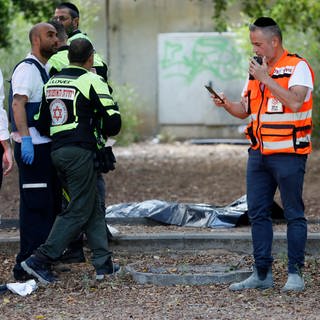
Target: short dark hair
61 32
73 10
268 25
80 50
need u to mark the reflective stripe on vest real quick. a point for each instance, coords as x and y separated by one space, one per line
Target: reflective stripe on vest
283 131
78 85
267 117
288 144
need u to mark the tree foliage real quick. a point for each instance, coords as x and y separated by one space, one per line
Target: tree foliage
298 14
33 11
220 6
300 22
301 15
4 22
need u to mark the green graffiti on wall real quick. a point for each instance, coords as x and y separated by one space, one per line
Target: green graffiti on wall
216 55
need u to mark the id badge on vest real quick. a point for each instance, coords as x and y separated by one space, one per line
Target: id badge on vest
274 106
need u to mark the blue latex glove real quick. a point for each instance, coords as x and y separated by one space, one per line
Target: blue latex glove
27 151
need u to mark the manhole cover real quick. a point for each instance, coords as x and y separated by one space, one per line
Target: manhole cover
186 274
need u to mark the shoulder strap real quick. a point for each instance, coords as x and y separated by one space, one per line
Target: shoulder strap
44 77
42 70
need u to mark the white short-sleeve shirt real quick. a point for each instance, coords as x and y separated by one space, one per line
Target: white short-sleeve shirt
27 81
301 77
4 132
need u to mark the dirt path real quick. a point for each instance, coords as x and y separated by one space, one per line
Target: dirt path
213 174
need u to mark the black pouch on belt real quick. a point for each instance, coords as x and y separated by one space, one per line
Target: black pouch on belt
105 159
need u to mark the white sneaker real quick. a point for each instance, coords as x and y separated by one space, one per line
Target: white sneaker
295 282
253 282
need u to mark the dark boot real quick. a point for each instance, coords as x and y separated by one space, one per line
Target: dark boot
39 268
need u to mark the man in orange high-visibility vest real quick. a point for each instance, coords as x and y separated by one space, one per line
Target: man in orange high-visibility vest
278 99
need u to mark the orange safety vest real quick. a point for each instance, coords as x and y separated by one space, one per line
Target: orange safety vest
275 128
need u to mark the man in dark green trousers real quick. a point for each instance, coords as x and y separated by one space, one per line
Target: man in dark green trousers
75 101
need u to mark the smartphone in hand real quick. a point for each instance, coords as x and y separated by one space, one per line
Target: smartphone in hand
214 93
260 61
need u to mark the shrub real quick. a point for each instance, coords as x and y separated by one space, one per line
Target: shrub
129 107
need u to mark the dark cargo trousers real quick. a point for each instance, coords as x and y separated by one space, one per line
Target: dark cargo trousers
40 200
75 166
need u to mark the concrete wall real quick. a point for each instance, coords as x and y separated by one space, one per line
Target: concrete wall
187 62
95 25
132 32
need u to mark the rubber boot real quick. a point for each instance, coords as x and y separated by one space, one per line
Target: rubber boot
254 282
295 282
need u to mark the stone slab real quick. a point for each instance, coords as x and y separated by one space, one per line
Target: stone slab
187 274
149 242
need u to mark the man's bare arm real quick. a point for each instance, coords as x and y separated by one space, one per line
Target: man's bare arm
236 109
7 158
292 98
19 113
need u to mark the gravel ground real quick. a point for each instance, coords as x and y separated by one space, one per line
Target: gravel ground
77 296
177 172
